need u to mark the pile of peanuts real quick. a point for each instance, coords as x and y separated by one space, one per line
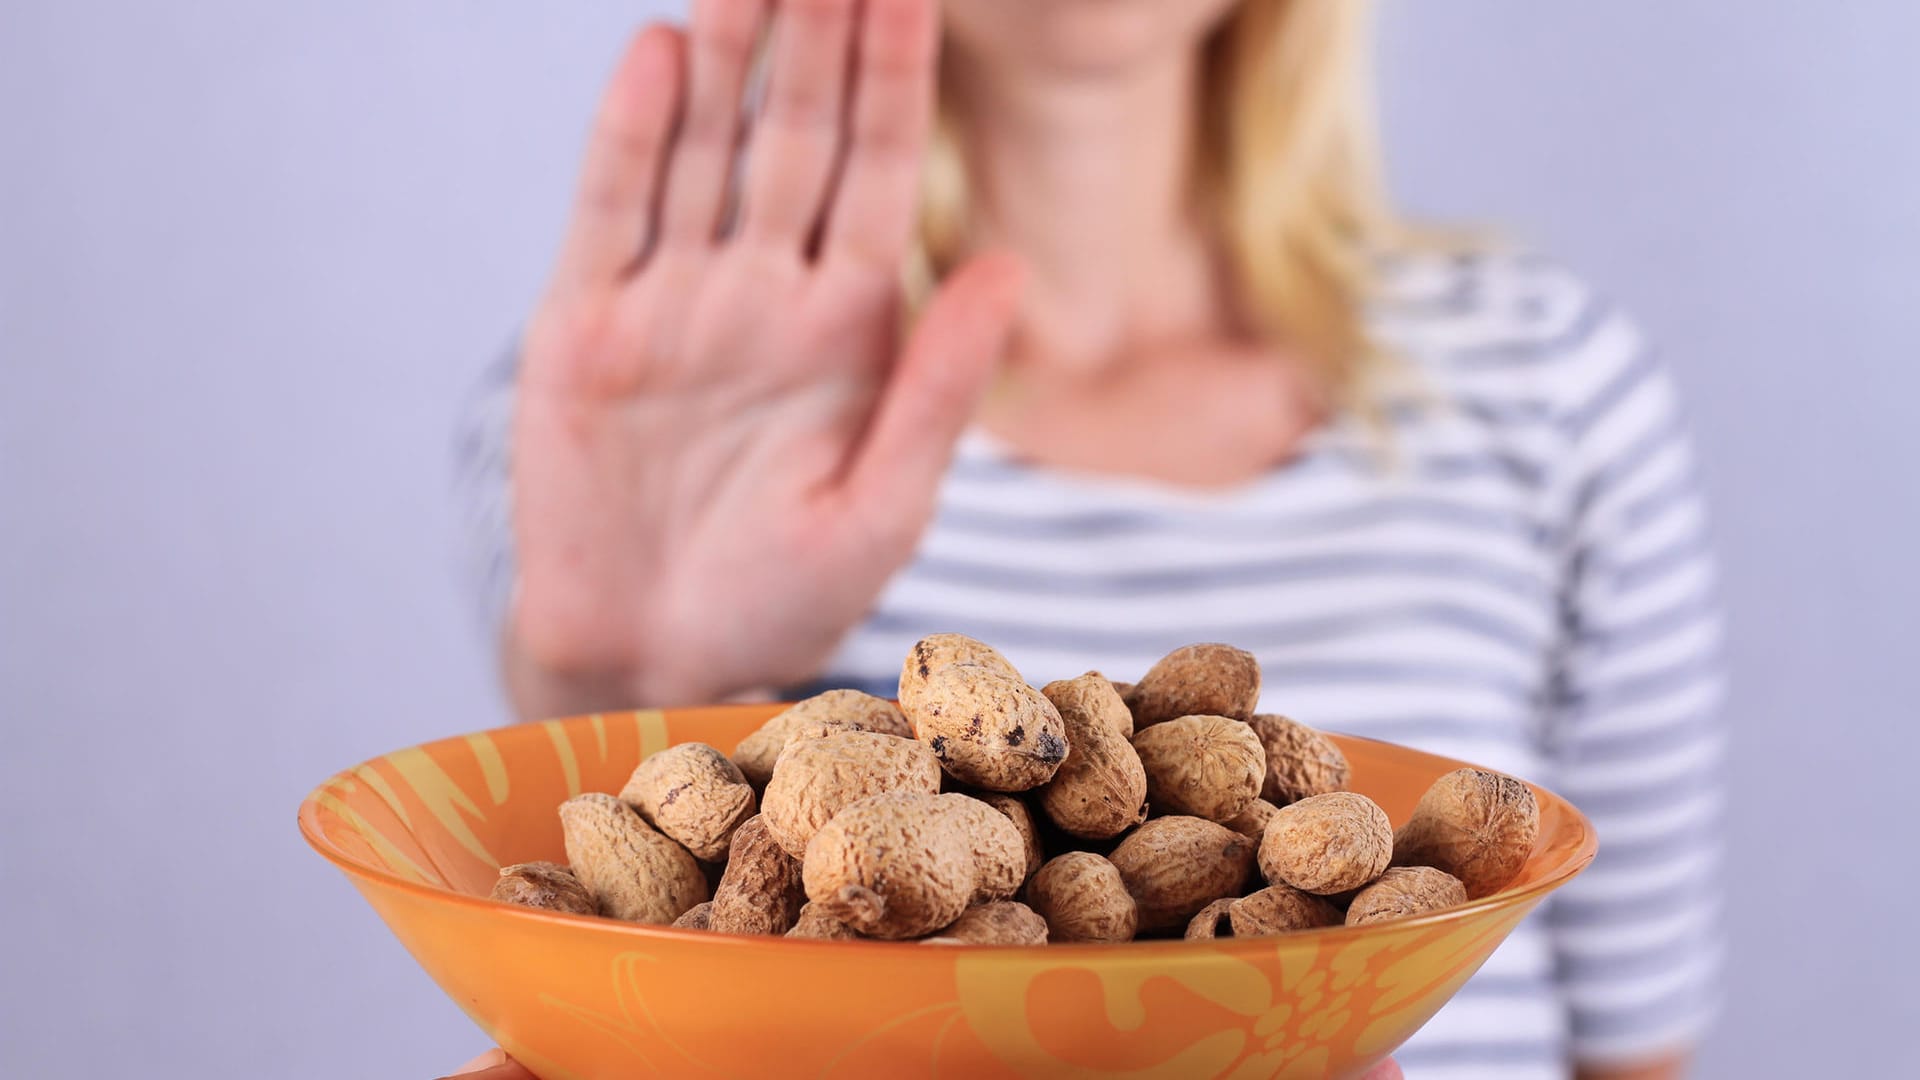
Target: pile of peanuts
847 816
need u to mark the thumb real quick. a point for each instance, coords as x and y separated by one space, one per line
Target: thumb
939 380
492 1065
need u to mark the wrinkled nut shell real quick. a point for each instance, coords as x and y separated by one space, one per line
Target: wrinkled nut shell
1213 921
1125 691
1197 680
987 729
937 652
1016 811
694 794
1278 909
1327 844
760 892
815 923
1174 866
892 866
816 778
633 872
1403 892
1301 762
1203 766
757 753
1082 897
1003 922
1253 820
545 885
1100 790
1476 825
697 917
999 851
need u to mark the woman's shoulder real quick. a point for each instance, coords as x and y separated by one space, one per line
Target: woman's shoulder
1503 329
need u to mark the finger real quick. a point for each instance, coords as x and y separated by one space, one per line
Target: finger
492 1065
872 218
507 1071
721 46
797 137
939 381
620 179
1386 1070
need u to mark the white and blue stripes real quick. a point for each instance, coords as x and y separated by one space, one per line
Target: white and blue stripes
1524 581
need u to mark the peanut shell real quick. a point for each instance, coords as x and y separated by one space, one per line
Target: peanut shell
545 885
633 872
1327 843
757 752
1197 680
999 851
697 917
1403 892
693 794
988 729
1016 811
1280 909
1174 866
1003 922
760 892
816 923
1253 820
1125 690
1476 825
1203 766
815 778
1082 897
896 865
1100 789
936 652
1301 762
1212 921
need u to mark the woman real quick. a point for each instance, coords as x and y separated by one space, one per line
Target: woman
1178 374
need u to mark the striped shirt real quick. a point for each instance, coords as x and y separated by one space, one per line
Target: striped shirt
1523 580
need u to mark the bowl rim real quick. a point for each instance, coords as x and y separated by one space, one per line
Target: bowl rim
1578 860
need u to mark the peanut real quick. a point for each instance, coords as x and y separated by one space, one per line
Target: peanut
1197 680
1003 922
989 730
896 865
545 885
1476 825
852 709
1174 866
1100 789
1327 844
1082 897
1301 762
1203 766
694 794
760 892
633 872
815 778
1403 892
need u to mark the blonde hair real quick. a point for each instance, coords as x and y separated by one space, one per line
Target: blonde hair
1289 179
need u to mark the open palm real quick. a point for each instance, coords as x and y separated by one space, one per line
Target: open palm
722 449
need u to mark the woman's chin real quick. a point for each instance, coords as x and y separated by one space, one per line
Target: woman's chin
1081 38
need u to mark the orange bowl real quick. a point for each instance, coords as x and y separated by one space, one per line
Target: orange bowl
420 832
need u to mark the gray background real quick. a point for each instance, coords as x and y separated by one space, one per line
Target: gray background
251 254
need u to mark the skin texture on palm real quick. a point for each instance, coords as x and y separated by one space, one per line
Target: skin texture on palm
727 420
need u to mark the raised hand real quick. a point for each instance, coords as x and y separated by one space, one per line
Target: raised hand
722 449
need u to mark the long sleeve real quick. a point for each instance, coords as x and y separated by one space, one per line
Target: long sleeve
1636 731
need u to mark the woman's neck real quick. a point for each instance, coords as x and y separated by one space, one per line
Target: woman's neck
1089 177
